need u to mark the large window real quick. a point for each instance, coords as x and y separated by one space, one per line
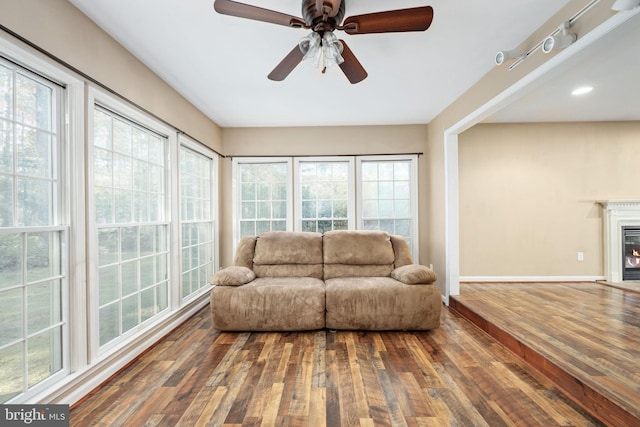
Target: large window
388 196
263 195
381 194
33 316
198 168
129 188
324 194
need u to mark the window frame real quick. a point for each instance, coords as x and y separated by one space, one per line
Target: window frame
189 144
413 197
99 98
71 205
237 195
351 195
57 224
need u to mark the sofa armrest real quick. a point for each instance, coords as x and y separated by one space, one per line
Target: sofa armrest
414 274
233 276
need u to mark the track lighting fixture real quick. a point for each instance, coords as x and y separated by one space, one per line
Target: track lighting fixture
560 40
625 5
505 55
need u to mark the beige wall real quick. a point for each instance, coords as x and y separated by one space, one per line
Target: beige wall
356 140
528 195
59 28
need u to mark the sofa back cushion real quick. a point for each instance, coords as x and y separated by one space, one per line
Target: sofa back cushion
288 254
357 254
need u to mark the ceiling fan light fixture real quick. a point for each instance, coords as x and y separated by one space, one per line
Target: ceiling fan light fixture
332 50
310 45
322 52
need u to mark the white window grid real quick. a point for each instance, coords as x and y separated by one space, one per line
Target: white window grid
32 291
262 190
324 192
198 171
388 198
129 211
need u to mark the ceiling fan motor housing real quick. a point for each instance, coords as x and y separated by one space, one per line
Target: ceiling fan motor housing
314 17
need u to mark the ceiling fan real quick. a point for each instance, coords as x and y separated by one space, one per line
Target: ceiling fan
323 17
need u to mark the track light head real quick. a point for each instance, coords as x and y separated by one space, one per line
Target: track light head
559 41
625 5
505 55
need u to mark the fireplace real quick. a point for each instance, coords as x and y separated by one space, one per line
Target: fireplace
631 253
621 237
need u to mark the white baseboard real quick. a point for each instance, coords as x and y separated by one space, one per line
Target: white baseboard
467 279
78 385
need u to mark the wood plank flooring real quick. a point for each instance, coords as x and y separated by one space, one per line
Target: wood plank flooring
583 336
455 375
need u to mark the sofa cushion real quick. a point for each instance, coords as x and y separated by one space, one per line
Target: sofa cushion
358 247
288 254
233 276
414 274
282 247
357 254
270 304
381 303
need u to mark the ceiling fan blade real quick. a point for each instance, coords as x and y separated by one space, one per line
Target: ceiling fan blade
391 21
286 66
241 10
351 67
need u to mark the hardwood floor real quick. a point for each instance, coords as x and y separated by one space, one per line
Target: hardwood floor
455 375
583 336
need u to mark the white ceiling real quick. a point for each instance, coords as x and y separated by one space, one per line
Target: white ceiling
220 63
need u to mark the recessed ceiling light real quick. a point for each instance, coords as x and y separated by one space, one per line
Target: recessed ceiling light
582 90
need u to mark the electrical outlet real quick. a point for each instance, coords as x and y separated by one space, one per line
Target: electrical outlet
580 256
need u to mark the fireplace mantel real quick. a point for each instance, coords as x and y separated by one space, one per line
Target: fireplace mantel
617 214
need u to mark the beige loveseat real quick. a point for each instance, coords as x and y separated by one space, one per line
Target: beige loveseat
293 281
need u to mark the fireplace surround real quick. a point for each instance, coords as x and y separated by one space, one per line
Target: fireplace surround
619 215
